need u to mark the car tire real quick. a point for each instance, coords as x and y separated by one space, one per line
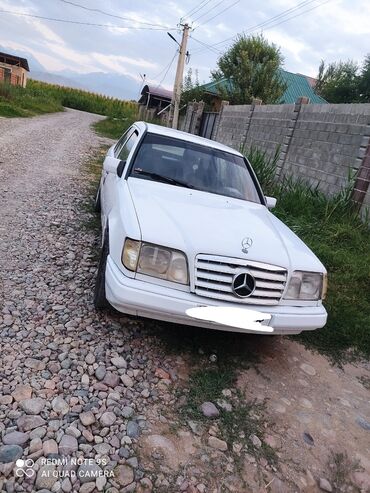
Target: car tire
100 300
97 204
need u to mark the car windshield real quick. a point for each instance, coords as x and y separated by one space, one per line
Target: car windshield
204 168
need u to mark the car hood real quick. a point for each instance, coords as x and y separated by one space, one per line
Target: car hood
200 222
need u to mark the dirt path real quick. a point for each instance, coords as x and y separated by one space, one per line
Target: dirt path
120 392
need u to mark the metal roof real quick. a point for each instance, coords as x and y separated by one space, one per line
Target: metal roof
157 91
297 86
14 60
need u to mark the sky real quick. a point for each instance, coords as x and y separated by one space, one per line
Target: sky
317 29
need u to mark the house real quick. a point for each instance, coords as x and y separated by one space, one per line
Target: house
298 86
155 97
13 69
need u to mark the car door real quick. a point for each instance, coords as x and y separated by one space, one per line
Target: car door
110 180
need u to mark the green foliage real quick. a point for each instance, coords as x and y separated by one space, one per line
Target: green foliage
344 82
191 89
85 101
332 228
23 102
252 65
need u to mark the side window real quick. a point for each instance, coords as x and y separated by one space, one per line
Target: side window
121 141
126 149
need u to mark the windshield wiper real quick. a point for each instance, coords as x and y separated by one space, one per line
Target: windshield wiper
166 179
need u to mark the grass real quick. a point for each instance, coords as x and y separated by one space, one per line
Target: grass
23 102
236 425
341 468
40 97
332 228
114 127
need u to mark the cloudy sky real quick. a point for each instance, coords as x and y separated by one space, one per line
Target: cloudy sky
328 29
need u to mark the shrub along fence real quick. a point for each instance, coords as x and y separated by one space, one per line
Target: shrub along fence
324 145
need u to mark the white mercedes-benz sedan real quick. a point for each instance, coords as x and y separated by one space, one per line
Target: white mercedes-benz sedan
188 238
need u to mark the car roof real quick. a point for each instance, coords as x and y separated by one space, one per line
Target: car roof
177 134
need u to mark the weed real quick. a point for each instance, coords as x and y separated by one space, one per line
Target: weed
341 468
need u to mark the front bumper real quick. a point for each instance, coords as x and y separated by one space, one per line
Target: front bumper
144 299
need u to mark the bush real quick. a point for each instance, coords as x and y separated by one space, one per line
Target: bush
335 232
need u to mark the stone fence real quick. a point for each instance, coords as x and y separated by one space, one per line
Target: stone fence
325 145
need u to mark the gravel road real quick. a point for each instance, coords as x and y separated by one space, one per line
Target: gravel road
111 390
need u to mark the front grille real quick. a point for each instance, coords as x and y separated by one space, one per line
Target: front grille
214 276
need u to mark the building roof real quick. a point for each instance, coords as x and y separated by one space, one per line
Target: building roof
14 60
297 86
157 92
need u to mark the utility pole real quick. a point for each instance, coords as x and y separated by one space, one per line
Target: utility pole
176 96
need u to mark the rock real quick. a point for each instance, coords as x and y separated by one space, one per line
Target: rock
111 379
10 453
50 447
33 406
90 359
87 418
216 443
5 400
133 429
16 438
88 471
127 381
108 419
27 423
124 475
365 424
34 364
87 487
68 445
226 406
35 445
127 412
100 372
256 441
308 438
59 405
66 485
162 374
73 431
85 379
45 477
100 482
277 486
325 485
308 369
209 410
22 392
119 362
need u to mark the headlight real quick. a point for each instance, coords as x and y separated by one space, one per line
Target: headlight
155 260
306 286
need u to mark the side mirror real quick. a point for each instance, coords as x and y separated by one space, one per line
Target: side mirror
270 202
113 165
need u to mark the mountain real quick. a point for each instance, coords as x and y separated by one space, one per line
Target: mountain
110 84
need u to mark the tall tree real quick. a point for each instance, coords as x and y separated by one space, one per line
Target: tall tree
339 82
364 86
251 66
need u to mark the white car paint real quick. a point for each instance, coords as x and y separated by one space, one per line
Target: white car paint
197 222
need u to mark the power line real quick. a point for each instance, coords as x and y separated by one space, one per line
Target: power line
69 21
272 19
210 47
167 69
206 13
197 8
219 13
99 11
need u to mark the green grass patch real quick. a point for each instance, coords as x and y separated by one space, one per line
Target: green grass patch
16 101
114 127
332 228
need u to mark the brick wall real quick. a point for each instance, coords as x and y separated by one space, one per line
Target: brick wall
321 144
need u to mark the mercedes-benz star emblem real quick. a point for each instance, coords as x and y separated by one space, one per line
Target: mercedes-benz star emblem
246 244
243 284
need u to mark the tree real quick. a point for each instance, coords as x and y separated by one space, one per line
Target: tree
191 89
364 85
251 67
339 82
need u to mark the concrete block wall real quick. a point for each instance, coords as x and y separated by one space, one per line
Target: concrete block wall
320 144
326 145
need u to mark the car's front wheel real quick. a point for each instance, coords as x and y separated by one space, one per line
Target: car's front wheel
100 300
